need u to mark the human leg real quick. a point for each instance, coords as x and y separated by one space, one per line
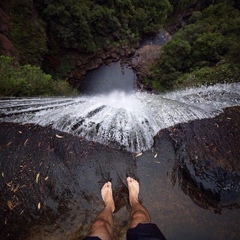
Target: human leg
139 214
140 226
103 223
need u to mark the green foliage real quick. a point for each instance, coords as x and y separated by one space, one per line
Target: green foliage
42 28
69 21
179 49
103 20
203 52
182 7
221 73
149 16
86 24
28 80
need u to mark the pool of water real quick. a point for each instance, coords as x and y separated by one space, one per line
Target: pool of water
115 76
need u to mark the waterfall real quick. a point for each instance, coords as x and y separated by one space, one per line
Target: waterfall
123 120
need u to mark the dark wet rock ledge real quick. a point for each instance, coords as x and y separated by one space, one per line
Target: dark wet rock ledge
49 178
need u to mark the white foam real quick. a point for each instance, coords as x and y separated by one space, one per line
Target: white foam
120 119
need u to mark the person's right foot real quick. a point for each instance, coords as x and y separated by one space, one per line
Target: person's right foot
133 187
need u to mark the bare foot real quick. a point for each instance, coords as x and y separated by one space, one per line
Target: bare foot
107 196
133 187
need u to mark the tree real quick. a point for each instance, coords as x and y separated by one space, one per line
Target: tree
210 44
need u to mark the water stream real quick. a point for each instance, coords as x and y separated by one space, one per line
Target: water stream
125 120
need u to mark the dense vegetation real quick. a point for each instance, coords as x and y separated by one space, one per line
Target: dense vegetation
47 32
87 25
205 51
27 80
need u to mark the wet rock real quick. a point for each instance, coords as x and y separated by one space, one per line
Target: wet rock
103 55
50 181
114 55
122 52
207 165
91 65
144 59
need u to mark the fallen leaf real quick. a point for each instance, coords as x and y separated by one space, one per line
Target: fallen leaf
37 177
10 205
21 212
14 189
9 184
25 143
59 136
139 154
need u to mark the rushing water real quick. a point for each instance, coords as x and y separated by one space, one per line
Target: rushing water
124 120
189 179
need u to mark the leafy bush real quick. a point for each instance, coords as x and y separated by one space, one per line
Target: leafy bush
28 80
218 74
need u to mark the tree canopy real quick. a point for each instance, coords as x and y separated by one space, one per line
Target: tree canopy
206 50
85 24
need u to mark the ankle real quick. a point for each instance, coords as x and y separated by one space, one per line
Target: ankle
110 206
133 201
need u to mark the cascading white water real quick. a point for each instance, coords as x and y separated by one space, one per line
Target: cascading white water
125 120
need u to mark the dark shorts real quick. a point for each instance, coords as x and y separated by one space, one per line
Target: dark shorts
147 231
92 238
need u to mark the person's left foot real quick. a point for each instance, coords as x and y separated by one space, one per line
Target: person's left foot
107 196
